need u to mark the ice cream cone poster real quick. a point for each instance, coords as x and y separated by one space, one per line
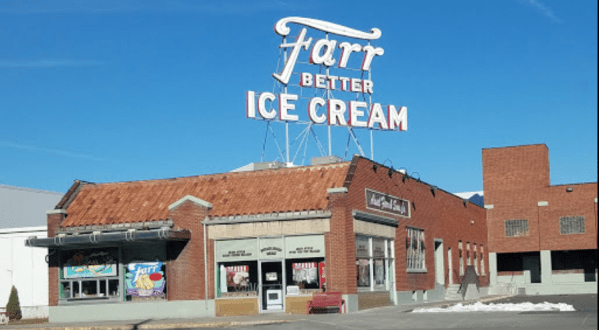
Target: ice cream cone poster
145 279
90 264
238 276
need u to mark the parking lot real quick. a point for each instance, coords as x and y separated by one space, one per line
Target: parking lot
400 317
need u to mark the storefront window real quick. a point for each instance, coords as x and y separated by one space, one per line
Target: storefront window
237 279
415 249
307 274
373 257
363 266
145 280
90 274
145 276
379 272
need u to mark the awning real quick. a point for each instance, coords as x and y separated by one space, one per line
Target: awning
132 235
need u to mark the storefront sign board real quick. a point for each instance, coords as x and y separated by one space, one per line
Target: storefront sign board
271 248
309 246
237 250
386 203
293 290
85 264
327 52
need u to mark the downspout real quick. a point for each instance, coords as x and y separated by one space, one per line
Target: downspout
205 270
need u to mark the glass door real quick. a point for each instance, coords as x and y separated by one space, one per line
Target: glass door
271 279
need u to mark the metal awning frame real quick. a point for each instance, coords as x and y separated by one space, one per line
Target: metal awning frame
104 238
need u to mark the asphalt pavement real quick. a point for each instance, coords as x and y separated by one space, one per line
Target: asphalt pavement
390 317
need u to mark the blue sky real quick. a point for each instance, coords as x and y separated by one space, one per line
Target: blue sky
107 91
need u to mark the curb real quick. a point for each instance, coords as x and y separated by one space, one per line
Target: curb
158 325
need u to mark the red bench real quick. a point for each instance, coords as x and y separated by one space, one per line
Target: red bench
324 300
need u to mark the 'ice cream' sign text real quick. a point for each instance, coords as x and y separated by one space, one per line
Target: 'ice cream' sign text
329 53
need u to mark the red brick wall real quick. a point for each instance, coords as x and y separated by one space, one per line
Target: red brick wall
185 267
54 221
443 216
515 179
515 167
341 247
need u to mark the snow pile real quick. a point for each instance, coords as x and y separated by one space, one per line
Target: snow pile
509 307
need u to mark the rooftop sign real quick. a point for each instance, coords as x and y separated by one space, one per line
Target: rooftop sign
327 53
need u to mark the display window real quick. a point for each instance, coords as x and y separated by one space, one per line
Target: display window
373 257
415 250
237 279
89 274
308 274
380 275
145 281
363 269
144 272
128 273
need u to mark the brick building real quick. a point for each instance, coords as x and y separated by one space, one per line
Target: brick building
542 238
258 241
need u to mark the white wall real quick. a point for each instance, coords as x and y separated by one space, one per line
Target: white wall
26 269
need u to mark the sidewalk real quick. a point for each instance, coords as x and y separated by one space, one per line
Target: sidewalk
220 321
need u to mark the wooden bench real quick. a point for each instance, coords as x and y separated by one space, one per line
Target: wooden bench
324 300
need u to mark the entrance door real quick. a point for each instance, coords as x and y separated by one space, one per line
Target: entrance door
449 266
271 278
532 262
439 264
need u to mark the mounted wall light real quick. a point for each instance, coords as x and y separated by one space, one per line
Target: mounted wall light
569 189
404 178
374 167
433 189
390 171
464 201
417 179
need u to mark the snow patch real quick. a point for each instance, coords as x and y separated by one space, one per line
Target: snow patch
508 307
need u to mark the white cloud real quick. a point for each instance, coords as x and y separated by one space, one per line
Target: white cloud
49 63
116 6
542 9
57 152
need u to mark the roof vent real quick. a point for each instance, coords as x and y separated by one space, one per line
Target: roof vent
259 166
325 160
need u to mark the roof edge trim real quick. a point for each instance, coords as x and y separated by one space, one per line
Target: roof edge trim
337 190
56 211
192 199
306 215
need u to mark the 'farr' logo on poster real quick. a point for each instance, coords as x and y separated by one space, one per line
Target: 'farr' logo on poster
328 53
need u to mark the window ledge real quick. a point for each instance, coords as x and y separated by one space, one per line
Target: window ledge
414 270
375 290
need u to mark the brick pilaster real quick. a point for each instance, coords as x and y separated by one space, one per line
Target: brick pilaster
185 264
340 244
55 217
